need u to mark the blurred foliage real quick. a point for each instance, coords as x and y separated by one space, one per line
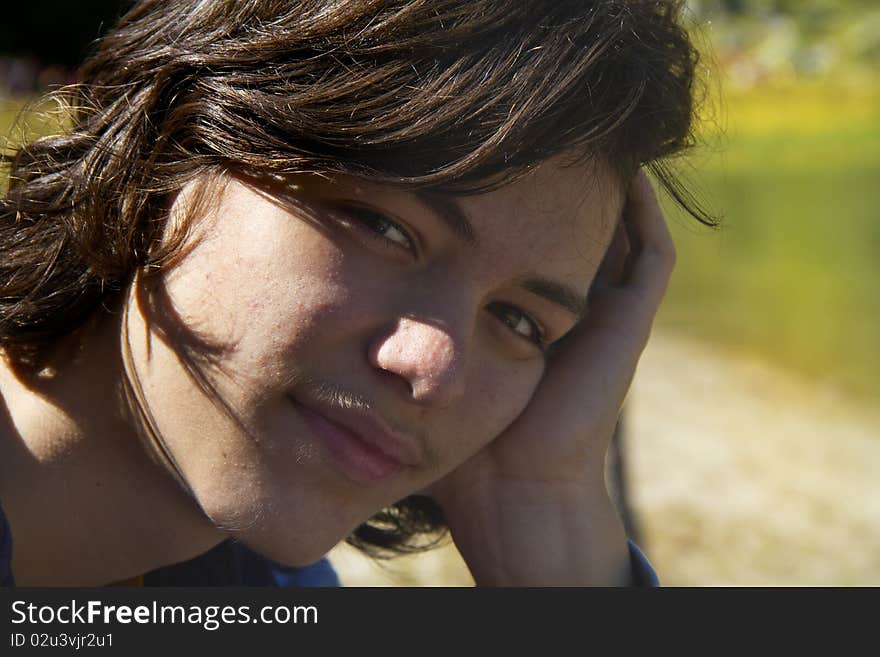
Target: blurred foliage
759 39
792 164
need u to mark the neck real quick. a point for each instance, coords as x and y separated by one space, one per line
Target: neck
86 502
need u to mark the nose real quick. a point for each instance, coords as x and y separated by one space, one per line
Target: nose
426 356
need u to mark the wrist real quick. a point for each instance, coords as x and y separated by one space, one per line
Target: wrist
527 538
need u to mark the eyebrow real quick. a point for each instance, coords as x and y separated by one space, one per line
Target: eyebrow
450 213
455 218
558 293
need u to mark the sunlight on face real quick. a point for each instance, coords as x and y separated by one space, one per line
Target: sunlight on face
372 340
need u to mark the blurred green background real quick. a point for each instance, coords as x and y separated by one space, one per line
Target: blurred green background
792 163
753 429
753 435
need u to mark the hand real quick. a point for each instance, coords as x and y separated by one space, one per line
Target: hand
532 507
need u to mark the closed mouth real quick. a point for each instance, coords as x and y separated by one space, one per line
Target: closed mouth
360 443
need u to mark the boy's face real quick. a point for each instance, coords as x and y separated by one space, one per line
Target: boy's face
374 340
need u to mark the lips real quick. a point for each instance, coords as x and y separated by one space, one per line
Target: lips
361 445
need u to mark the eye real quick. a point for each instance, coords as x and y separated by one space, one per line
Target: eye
519 322
378 226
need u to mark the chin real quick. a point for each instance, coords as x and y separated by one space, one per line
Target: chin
294 536
295 551
293 512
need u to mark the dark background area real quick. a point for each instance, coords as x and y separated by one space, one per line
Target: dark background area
59 32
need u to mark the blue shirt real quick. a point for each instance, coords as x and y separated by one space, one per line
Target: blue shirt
232 564
228 564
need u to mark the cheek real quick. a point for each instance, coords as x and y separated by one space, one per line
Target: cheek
497 396
264 299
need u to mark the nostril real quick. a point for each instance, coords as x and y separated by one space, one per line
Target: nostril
425 356
397 382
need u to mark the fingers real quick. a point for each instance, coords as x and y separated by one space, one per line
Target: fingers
587 380
632 279
641 252
653 252
622 310
613 267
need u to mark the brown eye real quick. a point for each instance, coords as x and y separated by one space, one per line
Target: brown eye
378 226
518 322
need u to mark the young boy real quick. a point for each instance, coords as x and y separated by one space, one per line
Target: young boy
303 271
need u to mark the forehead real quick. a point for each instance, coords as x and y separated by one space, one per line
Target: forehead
556 220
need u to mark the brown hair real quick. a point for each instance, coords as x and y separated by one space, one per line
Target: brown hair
457 95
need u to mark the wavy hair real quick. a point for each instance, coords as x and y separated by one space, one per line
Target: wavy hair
455 95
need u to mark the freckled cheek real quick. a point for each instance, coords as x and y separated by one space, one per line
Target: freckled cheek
270 307
494 402
311 313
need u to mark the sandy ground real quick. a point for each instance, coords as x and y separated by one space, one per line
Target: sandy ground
740 473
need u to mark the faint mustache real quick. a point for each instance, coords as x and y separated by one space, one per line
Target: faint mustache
328 393
335 395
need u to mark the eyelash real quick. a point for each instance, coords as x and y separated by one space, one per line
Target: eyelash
503 311
367 218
